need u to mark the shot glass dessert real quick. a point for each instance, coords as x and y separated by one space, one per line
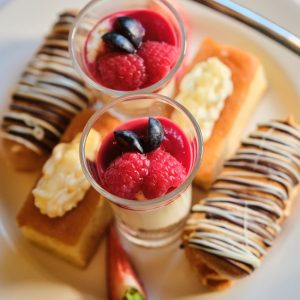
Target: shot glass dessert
122 47
145 167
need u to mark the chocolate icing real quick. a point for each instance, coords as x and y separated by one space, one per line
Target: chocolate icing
49 93
241 216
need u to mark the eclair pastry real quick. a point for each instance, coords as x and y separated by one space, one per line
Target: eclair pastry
62 213
231 229
221 89
48 95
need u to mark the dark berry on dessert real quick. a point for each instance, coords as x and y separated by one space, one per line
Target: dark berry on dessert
165 172
159 58
130 28
121 71
116 41
129 140
155 135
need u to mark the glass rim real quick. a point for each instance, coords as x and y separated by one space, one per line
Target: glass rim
118 93
147 202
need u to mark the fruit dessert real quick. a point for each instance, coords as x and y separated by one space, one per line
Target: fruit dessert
130 50
221 89
143 159
156 149
63 214
48 95
230 231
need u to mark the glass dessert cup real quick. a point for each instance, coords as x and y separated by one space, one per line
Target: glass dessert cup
97 10
152 222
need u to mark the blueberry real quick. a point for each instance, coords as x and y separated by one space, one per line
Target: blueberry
131 28
119 42
129 140
155 134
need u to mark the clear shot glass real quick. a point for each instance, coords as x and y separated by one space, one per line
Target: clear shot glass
97 10
159 221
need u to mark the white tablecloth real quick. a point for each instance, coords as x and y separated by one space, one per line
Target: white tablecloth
283 12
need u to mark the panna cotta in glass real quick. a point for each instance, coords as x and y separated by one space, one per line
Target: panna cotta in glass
122 46
145 167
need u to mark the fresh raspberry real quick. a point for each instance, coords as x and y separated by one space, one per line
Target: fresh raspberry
124 176
158 57
165 172
125 72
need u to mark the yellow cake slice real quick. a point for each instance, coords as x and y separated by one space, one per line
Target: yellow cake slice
239 78
75 235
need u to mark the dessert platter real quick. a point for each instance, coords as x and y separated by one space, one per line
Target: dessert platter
149 150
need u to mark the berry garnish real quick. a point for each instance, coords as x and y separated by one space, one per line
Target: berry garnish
159 58
129 140
121 71
154 174
124 176
117 41
148 171
165 173
155 135
130 28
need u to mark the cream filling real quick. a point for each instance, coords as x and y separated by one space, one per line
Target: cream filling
95 40
203 92
159 218
63 183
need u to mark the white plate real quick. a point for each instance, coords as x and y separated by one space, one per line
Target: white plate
29 273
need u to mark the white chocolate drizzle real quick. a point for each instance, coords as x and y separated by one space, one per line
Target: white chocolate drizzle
49 94
243 211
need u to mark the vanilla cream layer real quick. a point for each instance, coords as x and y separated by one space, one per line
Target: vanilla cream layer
159 218
95 40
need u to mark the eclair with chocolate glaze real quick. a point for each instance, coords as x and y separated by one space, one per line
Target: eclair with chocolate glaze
47 97
231 229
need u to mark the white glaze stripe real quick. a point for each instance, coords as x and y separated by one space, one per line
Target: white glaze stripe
42 98
283 127
48 82
32 121
241 216
21 141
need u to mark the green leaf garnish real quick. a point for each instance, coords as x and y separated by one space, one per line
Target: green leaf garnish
133 294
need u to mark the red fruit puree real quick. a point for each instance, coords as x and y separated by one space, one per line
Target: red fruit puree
153 60
154 173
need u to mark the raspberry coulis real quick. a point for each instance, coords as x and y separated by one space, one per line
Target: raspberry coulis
175 143
157 29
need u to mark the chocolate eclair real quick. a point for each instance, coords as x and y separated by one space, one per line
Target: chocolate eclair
231 229
47 97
